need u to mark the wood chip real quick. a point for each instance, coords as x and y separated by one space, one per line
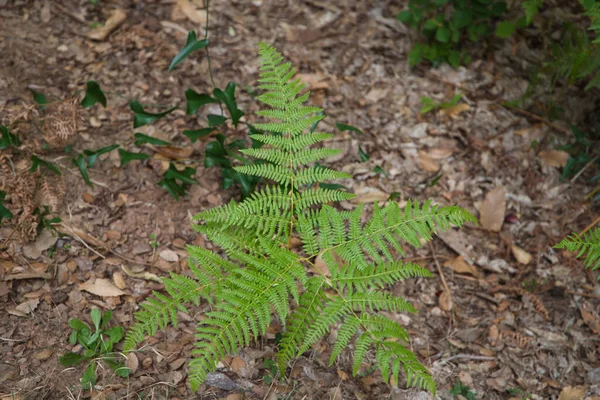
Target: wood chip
116 19
522 256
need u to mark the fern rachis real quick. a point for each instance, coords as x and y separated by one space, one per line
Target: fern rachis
259 276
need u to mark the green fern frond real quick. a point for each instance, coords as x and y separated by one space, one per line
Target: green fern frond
399 357
376 276
587 246
295 144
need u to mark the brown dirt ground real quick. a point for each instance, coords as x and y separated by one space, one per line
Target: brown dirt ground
354 57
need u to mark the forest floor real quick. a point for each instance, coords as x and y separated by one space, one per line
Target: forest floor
522 321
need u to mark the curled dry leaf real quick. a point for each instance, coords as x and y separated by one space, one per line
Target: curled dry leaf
370 195
101 287
573 393
427 163
455 111
590 317
141 275
521 255
493 209
554 158
132 362
187 8
237 363
25 308
445 301
175 153
460 266
314 81
116 19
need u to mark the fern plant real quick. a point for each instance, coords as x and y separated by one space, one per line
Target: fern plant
261 274
586 245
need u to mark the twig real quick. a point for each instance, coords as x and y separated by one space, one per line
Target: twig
590 295
537 118
70 13
439 268
467 357
590 226
577 175
13 340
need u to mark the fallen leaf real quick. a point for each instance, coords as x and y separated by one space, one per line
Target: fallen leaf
44 241
43 355
141 275
445 301
493 209
370 195
440 153
314 81
117 18
460 266
101 287
321 267
237 364
554 158
573 393
175 153
427 163
455 111
590 317
25 307
235 396
522 256
185 7
119 280
132 362
169 255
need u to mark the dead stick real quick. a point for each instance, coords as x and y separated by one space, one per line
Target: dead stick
439 268
590 226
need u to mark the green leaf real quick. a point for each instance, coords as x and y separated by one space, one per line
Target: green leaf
197 100
191 45
4 212
78 324
184 176
380 170
170 178
115 334
143 117
96 316
141 139
214 119
92 156
7 138
93 95
404 16
37 162
88 379
416 55
443 34
364 157
198 133
127 156
73 338
81 163
228 97
343 127
39 98
70 359
105 319
505 29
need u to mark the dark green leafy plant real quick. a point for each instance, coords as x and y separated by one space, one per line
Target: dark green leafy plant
97 345
259 276
462 390
586 245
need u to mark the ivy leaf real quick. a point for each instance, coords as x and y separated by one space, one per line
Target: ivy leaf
143 117
80 162
443 34
7 138
4 212
92 156
141 139
39 98
191 45
37 162
197 100
364 157
505 28
170 178
127 156
93 95
214 119
198 133
344 127
228 97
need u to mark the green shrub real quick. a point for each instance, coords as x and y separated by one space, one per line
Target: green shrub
333 278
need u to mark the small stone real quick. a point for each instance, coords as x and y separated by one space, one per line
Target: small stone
95 122
59 297
62 48
179 243
43 355
141 248
169 255
220 381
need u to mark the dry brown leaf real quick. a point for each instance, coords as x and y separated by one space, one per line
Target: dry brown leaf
237 364
427 163
44 241
554 158
175 153
141 275
590 317
192 13
370 195
493 209
573 393
117 18
119 280
522 256
25 307
440 153
101 287
445 301
132 362
321 267
455 111
314 81
460 266
235 396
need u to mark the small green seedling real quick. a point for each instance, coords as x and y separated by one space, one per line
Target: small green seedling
520 393
271 371
97 345
462 390
429 105
153 242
